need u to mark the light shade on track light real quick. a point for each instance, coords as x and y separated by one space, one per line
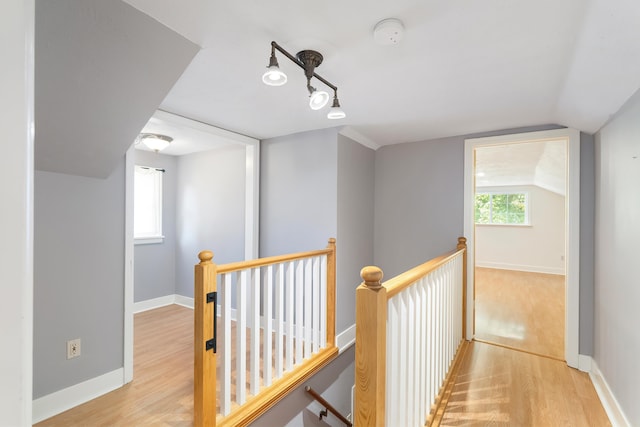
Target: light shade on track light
336 112
274 76
308 60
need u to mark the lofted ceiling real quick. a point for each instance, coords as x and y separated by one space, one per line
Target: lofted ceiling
463 66
543 164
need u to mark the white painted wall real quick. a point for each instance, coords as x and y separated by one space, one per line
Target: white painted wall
16 224
539 247
617 259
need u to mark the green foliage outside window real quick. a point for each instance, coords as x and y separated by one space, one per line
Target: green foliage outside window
495 208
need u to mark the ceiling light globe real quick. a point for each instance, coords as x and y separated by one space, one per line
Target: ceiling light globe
318 99
155 142
336 113
274 76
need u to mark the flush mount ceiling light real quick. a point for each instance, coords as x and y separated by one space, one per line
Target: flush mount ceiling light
308 60
154 141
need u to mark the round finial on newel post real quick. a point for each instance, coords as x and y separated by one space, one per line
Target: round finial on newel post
462 242
205 257
371 275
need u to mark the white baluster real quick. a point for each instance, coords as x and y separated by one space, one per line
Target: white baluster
410 355
393 360
225 338
267 332
317 308
308 306
289 309
254 354
241 342
299 310
323 301
280 319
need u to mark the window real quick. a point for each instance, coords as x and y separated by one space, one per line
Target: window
502 208
147 205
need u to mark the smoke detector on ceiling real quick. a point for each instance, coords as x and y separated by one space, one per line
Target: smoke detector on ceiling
388 32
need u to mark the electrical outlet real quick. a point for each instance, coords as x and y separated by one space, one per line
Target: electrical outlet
73 348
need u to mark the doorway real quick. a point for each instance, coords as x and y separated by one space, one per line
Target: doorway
570 138
199 154
519 215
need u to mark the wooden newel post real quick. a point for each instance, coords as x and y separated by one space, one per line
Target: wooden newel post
204 378
371 348
462 245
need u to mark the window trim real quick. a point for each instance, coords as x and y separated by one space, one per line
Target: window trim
527 209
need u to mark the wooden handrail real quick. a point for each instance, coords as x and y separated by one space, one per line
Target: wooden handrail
328 406
261 262
406 279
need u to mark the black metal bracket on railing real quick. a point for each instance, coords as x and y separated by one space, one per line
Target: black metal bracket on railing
212 297
328 407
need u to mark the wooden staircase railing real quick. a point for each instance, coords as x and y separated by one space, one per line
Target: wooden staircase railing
410 332
276 329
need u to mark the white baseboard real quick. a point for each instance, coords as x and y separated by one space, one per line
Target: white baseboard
584 363
518 267
70 397
151 304
609 402
346 338
184 301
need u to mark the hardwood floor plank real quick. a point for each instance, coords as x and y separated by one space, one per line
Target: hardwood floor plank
521 310
497 386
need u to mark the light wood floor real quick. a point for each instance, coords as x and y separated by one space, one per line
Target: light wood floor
496 386
161 393
521 310
502 387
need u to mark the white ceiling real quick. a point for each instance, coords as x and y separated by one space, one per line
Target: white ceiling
189 136
464 66
543 164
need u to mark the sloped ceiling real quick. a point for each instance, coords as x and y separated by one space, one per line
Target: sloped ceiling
462 67
102 69
543 164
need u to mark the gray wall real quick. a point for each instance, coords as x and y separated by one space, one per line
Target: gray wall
418 202
78 277
155 264
617 270
356 165
298 408
298 192
587 253
210 210
419 208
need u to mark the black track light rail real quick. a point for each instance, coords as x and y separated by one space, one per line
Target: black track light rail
280 49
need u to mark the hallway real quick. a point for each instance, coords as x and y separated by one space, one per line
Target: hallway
494 386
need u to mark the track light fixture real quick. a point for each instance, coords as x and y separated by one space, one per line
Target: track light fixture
308 60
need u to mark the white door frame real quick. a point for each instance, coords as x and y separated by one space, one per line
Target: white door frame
251 230
572 228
